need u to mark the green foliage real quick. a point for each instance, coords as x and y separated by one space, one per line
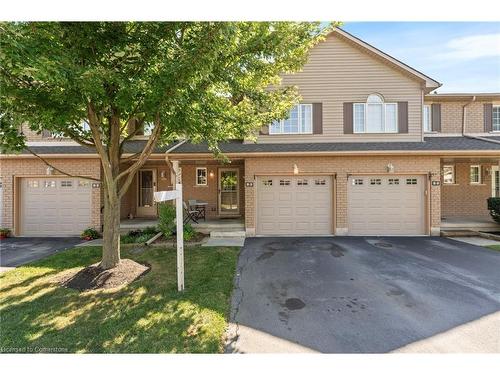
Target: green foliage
166 219
204 80
189 232
90 234
5 232
494 207
139 235
146 316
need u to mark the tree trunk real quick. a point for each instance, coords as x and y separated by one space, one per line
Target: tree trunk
111 230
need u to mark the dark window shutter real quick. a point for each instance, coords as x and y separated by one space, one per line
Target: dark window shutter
264 130
402 117
436 117
317 118
488 117
348 118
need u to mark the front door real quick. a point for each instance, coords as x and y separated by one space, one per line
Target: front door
229 191
146 186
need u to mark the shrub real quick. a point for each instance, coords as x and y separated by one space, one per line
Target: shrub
189 232
150 230
494 207
4 232
166 219
90 234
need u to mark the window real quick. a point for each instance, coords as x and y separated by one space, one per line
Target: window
32 183
148 128
357 181
299 121
302 182
201 176
448 174
66 183
49 184
393 181
411 181
427 118
375 116
475 174
320 182
375 181
496 118
83 183
284 182
267 182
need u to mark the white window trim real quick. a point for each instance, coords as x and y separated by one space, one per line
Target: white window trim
206 176
299 115
429 129
492 124
452 174
365 106
480 177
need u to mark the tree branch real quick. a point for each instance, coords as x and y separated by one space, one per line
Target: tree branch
59 170
146 152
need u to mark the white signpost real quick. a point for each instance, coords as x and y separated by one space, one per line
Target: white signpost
163 196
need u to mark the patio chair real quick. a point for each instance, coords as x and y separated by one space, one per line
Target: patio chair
194 205
191 214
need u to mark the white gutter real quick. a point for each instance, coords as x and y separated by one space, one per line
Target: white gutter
482 138
464 113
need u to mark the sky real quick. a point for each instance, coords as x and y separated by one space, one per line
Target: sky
463 56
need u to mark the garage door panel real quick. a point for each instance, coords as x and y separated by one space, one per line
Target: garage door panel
388 208
51 207
300 206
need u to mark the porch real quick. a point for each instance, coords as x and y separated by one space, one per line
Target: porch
477 224
210 226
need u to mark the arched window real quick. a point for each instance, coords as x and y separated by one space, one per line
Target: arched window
375 116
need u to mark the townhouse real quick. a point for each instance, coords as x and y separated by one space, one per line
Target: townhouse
369 150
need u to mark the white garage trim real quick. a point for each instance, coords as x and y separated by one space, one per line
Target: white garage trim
307 204
387 204
52 205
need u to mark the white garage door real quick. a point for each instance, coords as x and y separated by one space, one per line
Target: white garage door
386 205
298 205
55 206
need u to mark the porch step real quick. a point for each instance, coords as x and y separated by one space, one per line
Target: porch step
228 234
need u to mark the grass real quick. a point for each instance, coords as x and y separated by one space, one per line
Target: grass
494 247
147 316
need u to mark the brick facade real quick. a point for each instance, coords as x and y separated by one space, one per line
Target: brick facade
25 167
342 166
462 198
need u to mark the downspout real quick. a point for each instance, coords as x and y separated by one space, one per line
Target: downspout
464 114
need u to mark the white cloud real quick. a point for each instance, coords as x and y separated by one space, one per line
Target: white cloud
472 47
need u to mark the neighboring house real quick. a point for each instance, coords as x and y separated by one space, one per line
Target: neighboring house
368 151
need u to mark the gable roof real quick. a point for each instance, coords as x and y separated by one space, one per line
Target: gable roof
430 83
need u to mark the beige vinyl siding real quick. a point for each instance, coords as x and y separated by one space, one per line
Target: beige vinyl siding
339 72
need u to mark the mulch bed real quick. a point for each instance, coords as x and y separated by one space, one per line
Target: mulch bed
94 277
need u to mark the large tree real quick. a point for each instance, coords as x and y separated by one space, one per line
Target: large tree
206 81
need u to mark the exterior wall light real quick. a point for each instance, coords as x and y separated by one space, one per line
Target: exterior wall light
211 174
295 169
390 168
49 171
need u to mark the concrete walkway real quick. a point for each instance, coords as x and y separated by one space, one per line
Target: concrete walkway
478 241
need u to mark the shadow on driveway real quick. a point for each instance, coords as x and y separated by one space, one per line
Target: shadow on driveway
365 295
17 251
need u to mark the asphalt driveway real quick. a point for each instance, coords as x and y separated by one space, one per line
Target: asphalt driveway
365 295
17 251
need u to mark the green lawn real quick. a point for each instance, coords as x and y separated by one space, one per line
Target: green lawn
494 247
148 315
